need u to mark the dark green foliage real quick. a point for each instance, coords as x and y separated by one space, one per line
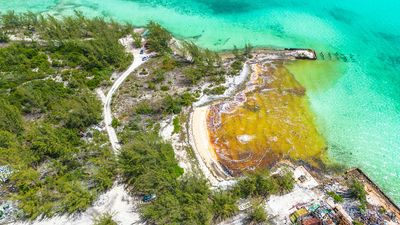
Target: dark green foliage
219 90
257 184
77 112
185 203
46 142
148 164
177 125
236 66
174 104
144 108
359 193
48 82
70 42
115 123
224 205
204 63
37 96
105 219
137 39
4 37
21 63
10 117
257 215
337 198
56 172
248 48
285 182
158 38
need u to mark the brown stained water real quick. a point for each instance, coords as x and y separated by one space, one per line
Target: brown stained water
268 121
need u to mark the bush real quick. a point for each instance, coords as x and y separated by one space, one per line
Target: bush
257 215
105 219
4 37
224 205
258 184
164 88
174 104
144 108
285 182
10 118
115 123
158 38
148 164
358 191
137 39
236 66
177 125
216 91
337 198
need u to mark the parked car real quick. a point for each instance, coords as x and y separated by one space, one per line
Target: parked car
149 197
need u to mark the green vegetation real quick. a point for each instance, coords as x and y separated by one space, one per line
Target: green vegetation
148 166
47 106
224 205
203 63
158 38
337 198
257 215
137 39
10 119
89 48
4 37
174 104
261 184
105 219
177 125
219 90
358 191
115 123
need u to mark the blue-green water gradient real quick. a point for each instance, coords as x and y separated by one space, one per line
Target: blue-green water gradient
358 109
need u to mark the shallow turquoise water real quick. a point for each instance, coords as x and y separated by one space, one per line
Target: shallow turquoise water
358 112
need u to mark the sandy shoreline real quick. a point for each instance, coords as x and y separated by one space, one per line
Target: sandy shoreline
199 139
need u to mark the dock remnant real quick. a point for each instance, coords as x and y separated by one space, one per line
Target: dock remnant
301 53
373 189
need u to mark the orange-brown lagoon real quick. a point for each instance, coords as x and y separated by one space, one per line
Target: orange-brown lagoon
269 120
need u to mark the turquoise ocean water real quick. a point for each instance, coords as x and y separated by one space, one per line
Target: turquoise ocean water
357 106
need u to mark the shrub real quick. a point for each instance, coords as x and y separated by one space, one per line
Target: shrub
115 123
105 219
337 198
177 125
174 104
216 91
158 38
4 37
144 108
10 119
257 215
224 205
358 191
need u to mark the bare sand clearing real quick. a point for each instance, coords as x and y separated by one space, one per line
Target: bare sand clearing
200 141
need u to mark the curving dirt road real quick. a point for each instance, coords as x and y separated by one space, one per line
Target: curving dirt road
138 60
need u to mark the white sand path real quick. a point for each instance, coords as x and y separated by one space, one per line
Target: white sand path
138 60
